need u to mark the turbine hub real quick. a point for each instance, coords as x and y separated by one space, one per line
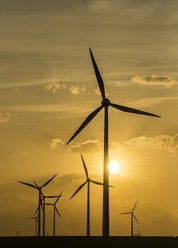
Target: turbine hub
105 102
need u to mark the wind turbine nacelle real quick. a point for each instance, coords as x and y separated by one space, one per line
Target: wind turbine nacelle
105 102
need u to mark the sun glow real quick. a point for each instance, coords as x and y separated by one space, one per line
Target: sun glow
113 167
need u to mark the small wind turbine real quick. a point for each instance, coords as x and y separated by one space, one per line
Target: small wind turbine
55 210
35 218
43 208
132 217
105 103
35 186
88 180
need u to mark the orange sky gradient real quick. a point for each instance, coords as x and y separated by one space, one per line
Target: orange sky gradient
48 87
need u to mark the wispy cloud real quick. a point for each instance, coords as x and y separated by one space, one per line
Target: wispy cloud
152 80
90 146
87 146
54 86
122 84
75 90
159 143
152 101
54 144
162 80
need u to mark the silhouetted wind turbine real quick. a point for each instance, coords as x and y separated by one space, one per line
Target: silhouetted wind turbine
39 203
105 104
43 207
36 221
55 210
88 180
132 217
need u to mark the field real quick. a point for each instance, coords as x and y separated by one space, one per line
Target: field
81 241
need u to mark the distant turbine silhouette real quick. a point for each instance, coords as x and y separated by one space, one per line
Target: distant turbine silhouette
43 208
105 104
132 217
55 210
36 221
35 186
88 180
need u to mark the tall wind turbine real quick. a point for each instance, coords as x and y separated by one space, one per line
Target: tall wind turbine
35 186
105 103
132 217
88 180
55 210
35 218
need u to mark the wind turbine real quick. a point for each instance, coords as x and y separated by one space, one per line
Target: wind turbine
35 186
43 208
88 180
105 103
132 217
55 210
36 221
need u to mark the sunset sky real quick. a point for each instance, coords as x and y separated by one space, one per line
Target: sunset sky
48 87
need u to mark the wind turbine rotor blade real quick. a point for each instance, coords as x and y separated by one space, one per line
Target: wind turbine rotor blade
37 210
51 196
57 199
126 213
48 181
57 211
36 184
28 184
86 121
84 165
98 76
135 218
79 188
134 206
132 110
98 183
111 186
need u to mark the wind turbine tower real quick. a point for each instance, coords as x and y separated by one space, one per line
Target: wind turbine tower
105 103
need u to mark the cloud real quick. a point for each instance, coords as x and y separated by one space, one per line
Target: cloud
69 177
54 144
159 143
152 101
75 90
54 86
122 84
87 146
90 146
162 80
5 117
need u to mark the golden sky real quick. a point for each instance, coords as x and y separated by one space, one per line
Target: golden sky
48 87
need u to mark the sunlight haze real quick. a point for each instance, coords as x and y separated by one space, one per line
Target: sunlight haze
47 89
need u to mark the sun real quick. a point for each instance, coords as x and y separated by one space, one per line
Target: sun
113 167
